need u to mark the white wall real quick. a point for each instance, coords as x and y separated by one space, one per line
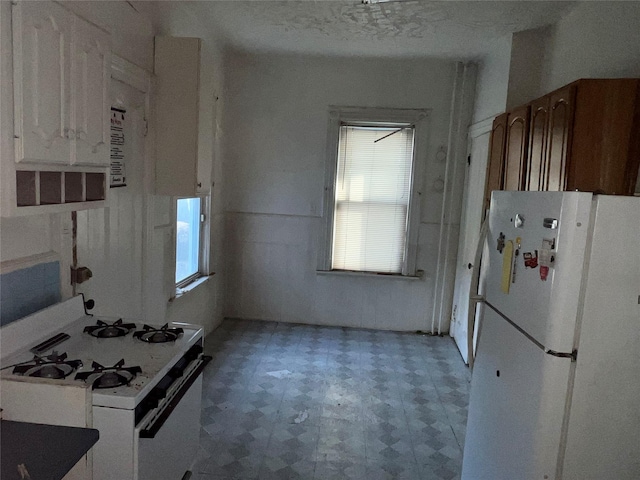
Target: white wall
131 30
595 40
493 81
276 118
526 66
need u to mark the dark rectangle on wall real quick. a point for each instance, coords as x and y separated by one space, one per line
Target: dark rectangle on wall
26 188
72 187
25 291
50 188
96 185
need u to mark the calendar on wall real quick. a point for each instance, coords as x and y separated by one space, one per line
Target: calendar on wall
117 173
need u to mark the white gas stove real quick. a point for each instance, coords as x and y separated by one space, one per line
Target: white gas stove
143 397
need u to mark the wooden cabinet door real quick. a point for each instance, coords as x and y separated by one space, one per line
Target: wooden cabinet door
605 143
495 167
90 92
560 125
537 152
516 148
41 47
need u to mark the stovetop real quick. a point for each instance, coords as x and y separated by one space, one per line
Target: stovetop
153 359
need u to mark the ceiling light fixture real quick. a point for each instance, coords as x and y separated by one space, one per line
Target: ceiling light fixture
369 2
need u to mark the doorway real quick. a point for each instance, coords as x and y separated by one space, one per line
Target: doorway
110 240
470 222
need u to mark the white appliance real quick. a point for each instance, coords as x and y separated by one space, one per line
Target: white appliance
149 427
555 386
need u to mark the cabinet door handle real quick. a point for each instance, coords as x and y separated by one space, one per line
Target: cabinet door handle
199 184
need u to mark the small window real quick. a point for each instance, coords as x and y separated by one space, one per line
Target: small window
188 240
371 192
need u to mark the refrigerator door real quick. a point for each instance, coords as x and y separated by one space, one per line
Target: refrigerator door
603 439
522 223
518 396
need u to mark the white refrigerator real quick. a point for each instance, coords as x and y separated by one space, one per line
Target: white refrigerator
555 390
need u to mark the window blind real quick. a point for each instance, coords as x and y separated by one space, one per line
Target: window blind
373 184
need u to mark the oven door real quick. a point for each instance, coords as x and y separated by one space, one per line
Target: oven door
167 438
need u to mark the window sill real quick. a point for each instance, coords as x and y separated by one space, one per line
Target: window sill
181 292
344 273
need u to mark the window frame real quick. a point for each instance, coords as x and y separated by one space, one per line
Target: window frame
204 238
366 116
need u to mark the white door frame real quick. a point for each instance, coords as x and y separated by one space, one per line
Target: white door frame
475 178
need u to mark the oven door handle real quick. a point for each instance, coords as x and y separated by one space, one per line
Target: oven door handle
151 430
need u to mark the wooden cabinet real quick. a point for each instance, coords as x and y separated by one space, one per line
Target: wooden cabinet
182 167
61 87
516 149
584 136
61 131
495 166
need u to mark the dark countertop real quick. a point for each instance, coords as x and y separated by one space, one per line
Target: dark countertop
47 451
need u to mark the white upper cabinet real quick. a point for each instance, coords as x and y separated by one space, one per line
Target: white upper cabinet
90 86
183 137
42 33
61 71
61 87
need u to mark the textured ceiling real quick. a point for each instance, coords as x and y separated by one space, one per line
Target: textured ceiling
449 29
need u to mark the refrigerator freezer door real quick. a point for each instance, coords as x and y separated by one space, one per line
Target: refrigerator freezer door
518 396
603 439
545 309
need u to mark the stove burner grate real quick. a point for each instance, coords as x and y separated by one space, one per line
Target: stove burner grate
51 366
109 377
104 330
158 335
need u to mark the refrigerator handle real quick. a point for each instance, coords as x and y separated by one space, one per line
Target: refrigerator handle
474 296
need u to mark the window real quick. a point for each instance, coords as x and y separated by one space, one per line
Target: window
372 198
190 216
371 211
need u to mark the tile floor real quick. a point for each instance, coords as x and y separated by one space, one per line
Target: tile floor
285 401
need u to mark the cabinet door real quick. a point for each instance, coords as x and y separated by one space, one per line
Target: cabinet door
495 167
177 69
561 107
537 154
516 148
90 92
605 143
41 47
